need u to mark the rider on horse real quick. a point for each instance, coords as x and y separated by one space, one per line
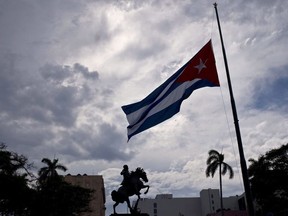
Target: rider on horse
126 175
131 185
127 180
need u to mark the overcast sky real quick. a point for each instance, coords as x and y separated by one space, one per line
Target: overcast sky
67 67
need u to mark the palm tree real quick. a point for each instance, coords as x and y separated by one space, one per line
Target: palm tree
50 171
214 161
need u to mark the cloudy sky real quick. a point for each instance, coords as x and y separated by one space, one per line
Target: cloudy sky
67 67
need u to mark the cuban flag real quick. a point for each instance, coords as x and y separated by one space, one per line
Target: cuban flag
165 101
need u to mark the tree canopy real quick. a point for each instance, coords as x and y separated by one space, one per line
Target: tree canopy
49 173
52 196
269 180
214 161
15 193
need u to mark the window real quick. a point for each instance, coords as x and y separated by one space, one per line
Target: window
155 209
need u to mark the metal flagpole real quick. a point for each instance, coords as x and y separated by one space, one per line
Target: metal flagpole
237 129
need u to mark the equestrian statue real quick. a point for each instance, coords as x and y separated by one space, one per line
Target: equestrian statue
131 185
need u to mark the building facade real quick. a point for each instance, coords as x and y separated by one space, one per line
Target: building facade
207 204
95 183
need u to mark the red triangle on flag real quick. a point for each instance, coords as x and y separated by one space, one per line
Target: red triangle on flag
201 66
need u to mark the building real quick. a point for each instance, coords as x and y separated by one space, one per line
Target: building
95 183
207 204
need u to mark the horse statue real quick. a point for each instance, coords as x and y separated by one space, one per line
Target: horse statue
132 187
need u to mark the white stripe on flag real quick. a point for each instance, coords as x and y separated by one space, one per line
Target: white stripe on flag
135 116
174 96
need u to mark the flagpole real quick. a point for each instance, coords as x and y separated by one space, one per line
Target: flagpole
248 194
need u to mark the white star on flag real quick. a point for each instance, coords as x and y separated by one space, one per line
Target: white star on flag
201 65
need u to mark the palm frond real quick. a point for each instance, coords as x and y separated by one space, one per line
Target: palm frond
211 159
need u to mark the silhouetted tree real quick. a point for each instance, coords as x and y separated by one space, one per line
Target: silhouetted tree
14 191
216 160
49 173
61 199
269 177
54 196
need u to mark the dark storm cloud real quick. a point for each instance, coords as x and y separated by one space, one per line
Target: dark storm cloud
59 73
86 143
85 72
32 106
44 97
106 143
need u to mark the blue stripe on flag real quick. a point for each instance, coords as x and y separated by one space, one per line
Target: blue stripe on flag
147 121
